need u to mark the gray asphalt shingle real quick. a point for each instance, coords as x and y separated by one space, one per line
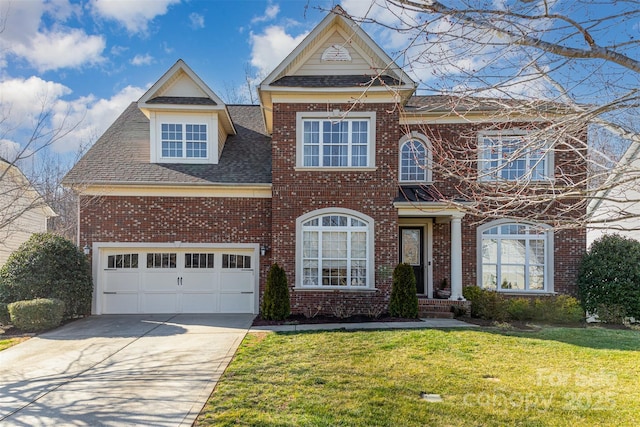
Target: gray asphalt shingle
122 154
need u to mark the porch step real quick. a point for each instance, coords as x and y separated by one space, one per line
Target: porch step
442 309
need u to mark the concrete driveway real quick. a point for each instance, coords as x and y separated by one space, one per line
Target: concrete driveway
155 370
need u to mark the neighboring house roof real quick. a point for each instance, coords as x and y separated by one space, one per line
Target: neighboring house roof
16 185
121 155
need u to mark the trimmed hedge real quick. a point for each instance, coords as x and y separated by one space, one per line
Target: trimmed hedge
36 315
275 301
609 277
404 298
48 266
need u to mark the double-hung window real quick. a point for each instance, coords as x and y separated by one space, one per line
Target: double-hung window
512 156
344 142
184 140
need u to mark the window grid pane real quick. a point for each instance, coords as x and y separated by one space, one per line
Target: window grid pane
343 143
413 162
334 251
514 258
171 140
196 139
511 158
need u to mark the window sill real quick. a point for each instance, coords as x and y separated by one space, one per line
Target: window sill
336 289
541 183
334 169
524 292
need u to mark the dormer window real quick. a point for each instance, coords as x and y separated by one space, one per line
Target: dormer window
180 140
184 138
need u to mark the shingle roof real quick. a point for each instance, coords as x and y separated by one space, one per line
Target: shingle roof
334 81
122 155
447 104
181 100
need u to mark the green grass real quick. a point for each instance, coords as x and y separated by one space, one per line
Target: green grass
552 377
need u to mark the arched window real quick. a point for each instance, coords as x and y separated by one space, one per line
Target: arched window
415 158
515 257
334 249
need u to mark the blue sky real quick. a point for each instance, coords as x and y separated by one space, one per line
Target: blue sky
84 61
87 60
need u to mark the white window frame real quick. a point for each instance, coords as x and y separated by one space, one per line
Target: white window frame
210 120
336 116
370 268
184 141
424 141
548 237
488 174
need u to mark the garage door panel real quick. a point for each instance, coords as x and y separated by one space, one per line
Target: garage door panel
160 282
236 302
184 280
199 303
122 281
125 303
236 281
159 303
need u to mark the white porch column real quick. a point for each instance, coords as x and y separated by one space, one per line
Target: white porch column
456 258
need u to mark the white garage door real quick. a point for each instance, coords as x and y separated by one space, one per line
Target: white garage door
177 281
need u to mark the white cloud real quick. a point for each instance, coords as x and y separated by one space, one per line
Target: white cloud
54 50
271 47
197 21
26 36
133 15
22 100
90 116
139 60
270 13
9 150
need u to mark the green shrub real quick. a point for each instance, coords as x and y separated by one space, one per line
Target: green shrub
4 314
485 304
520 309
609 275
491 305
48 266
275 302
36 315
404 297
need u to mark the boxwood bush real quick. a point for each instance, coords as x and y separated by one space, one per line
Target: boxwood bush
275 301
36 315
609 276
48 266
404 298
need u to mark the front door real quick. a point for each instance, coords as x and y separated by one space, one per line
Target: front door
412 253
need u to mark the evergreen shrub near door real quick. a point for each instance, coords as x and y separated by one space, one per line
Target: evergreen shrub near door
48 266
404 298
275 302
609 277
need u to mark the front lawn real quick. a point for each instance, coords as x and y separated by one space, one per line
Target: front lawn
485 377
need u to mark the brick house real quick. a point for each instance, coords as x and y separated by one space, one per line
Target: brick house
186 202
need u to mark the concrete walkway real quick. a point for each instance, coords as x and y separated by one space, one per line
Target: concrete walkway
422 324
153 370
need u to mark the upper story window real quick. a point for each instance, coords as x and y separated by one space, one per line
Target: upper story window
515 257
183 140
341 142
513 156
415 159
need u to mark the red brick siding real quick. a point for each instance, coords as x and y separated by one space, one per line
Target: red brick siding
296 193
185 219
